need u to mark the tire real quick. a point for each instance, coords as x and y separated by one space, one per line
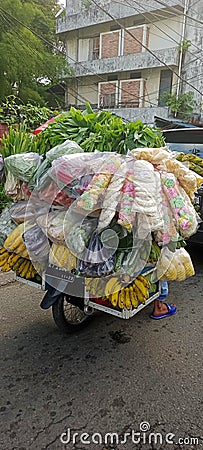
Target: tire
68 317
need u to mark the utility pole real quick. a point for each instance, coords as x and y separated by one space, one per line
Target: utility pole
180 63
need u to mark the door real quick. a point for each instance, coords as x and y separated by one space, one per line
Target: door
165 85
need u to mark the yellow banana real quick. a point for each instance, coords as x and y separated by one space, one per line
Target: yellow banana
4 258
6 267
114 298
25 269
144 281
138 293
112 286
133 297
22 266
121 299
142 288
127 298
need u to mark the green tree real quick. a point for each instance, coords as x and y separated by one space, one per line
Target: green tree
27 61
183 106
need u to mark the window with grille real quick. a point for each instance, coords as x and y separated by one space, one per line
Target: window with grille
108 100
95 47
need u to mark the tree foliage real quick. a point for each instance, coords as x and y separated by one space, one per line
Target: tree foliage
183 106
27 61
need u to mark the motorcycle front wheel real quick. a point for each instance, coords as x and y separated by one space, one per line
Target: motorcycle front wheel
68 317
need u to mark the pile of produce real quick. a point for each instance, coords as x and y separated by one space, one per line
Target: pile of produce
102 215
101 131
195 163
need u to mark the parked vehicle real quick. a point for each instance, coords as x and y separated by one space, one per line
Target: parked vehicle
189 140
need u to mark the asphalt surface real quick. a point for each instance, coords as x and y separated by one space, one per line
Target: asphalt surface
110 377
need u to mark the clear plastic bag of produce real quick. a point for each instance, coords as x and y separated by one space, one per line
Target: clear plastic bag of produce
23 165
92 198
52 225
97 260
37 244
174 266
50 192
61 256
78 235
182 209
27 210
67 148
13 188
72 167
6 225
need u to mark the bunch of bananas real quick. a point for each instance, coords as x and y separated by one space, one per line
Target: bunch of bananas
61 256
195 162
11 261
128 297
14 242
177 268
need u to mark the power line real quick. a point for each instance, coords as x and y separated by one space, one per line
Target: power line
156 26
144 46
58 50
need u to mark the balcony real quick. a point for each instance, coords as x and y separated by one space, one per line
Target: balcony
136 61
146 114
82 17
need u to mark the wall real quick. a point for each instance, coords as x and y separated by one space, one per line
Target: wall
77 16
114 43
146 115
172 27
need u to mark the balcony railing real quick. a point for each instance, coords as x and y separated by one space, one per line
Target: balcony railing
136 61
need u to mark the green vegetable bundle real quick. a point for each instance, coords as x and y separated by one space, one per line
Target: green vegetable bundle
101 131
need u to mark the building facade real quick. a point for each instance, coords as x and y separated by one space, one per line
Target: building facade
126 55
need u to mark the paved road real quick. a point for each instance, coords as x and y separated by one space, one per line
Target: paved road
109 378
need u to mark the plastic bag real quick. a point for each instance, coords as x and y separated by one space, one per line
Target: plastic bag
70 167
67 148
37 244
19 212
112 196
12 187
180 204
79 235
6 225
175 266
153 155
61 256
52 225
50 192
89 199
95 259
23 165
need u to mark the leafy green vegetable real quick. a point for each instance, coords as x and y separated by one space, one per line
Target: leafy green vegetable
101 131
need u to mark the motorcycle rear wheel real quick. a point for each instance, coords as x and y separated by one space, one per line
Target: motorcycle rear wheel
69 318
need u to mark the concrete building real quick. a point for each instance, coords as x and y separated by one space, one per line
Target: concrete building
127 64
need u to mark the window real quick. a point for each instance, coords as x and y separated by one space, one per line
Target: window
165 85
94 48
108 100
